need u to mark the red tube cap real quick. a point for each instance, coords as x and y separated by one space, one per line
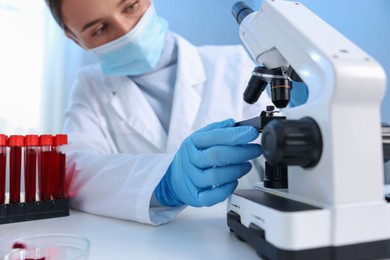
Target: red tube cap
16 140
45 140
31 140
3 140
60 139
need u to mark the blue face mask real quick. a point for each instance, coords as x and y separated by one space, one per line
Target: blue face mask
136 52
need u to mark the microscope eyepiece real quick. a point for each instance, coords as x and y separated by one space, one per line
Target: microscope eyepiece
240 10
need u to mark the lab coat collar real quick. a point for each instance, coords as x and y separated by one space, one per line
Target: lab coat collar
131 105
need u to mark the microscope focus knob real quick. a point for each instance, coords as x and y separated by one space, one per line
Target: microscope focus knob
292 142
386 141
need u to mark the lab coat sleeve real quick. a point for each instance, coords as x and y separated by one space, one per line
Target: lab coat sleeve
105 182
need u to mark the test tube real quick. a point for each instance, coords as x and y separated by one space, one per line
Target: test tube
15 143
59 180
30 166
3 163
45 166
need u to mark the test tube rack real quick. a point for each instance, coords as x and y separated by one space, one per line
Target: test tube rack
26 211
39 164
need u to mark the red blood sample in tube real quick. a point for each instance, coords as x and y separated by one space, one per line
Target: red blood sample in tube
45 166
15 143
30 166
3 162
60 160
54 177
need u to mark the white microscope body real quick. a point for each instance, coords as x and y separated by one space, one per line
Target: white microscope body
336 208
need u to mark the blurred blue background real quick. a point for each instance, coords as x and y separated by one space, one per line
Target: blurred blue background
366 23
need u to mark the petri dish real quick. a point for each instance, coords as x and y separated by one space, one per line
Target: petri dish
50 247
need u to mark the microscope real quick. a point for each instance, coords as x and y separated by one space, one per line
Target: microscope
323 195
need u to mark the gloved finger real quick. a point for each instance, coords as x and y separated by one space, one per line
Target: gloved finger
217 176
215 195
224 136
299 94
225 155
226 123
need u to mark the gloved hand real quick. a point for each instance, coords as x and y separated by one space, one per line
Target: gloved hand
205 169
299 94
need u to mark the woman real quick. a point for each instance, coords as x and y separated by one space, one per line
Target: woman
135 120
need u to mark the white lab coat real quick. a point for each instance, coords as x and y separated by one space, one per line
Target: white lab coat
118 149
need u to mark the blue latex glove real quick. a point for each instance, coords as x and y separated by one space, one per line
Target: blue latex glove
208 164
299 94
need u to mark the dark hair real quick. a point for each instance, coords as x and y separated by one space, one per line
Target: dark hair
55 9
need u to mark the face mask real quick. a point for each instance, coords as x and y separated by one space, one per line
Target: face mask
136 52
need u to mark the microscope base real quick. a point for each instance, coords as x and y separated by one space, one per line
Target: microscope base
257 238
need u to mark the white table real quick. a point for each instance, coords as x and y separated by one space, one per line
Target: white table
197 233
